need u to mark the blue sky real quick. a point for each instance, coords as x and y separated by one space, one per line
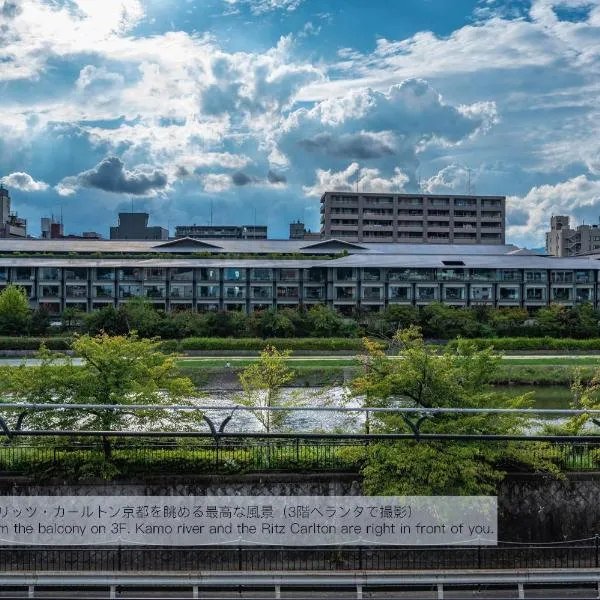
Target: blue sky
258 106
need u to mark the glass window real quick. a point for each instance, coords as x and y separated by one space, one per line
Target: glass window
372 293
562 276
23 273
536 275
535 294
50 291
562 294
234 274
209 291
49 273
261 274
454 293
509 275
371 274
182 274
261 292
344 274
288 274
155 274
287 292
584 276
508 293
426 293
208 274
76 291
314 293
180 290
131 273
316 275
483 274
103 291
76 274
481 292
399 293
344 293
234 292
583 295
411 274
129 291
155 291
3 273
451 274
105 274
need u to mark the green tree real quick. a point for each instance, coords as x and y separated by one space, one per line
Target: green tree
422 378
141 316
117 370
262 384
15 313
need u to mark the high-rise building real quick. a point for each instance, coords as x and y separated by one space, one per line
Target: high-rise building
51 229
222 232
413 218
561 240
134 226
11 226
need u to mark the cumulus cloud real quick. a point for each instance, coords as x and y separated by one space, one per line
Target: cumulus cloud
259 7
10 9
453 178
110 175
363 145
240 179
24 182
578 196
353 177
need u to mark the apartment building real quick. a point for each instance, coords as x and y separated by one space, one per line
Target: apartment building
57 274
222 232
413 218
563 241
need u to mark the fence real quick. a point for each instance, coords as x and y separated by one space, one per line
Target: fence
582 555
224 454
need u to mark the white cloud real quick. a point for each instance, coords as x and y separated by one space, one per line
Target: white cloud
259 7
367 180
453 178
216 182
24 182
579 197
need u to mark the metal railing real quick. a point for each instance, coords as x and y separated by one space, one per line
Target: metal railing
581 555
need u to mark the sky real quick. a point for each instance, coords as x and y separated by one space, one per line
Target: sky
250 109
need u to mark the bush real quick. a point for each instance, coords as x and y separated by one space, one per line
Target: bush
257 344
533 344
34 343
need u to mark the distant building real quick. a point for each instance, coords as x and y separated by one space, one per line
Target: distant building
563 241
134 226
413 218
298 231
51 228
91 235
222 232
11 226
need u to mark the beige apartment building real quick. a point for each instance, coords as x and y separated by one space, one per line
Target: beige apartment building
563 241
413 218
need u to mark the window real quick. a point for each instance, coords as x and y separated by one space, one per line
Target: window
105 274
584 276
208 274
536 294
182 274
288 274
344 274
371 275
129 291
454 293
234 274
209 291
426 293
155 274
481 292
103 291
23 273
316 275
49 274
452 274
344 293
411 274
509 275
261 274
372 293
180 290
155 291
583 295
234 292
399 293
562 276
76 291
50 291
76 274
314 293
130 273
508 293
287 292
536 276
262 292
483 274
562 294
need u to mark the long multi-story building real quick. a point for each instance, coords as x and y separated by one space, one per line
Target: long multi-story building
563 241
222 232
255 275
413 218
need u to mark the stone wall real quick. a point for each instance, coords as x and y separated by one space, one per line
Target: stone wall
531 508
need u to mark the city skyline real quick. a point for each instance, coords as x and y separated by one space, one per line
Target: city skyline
262 105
